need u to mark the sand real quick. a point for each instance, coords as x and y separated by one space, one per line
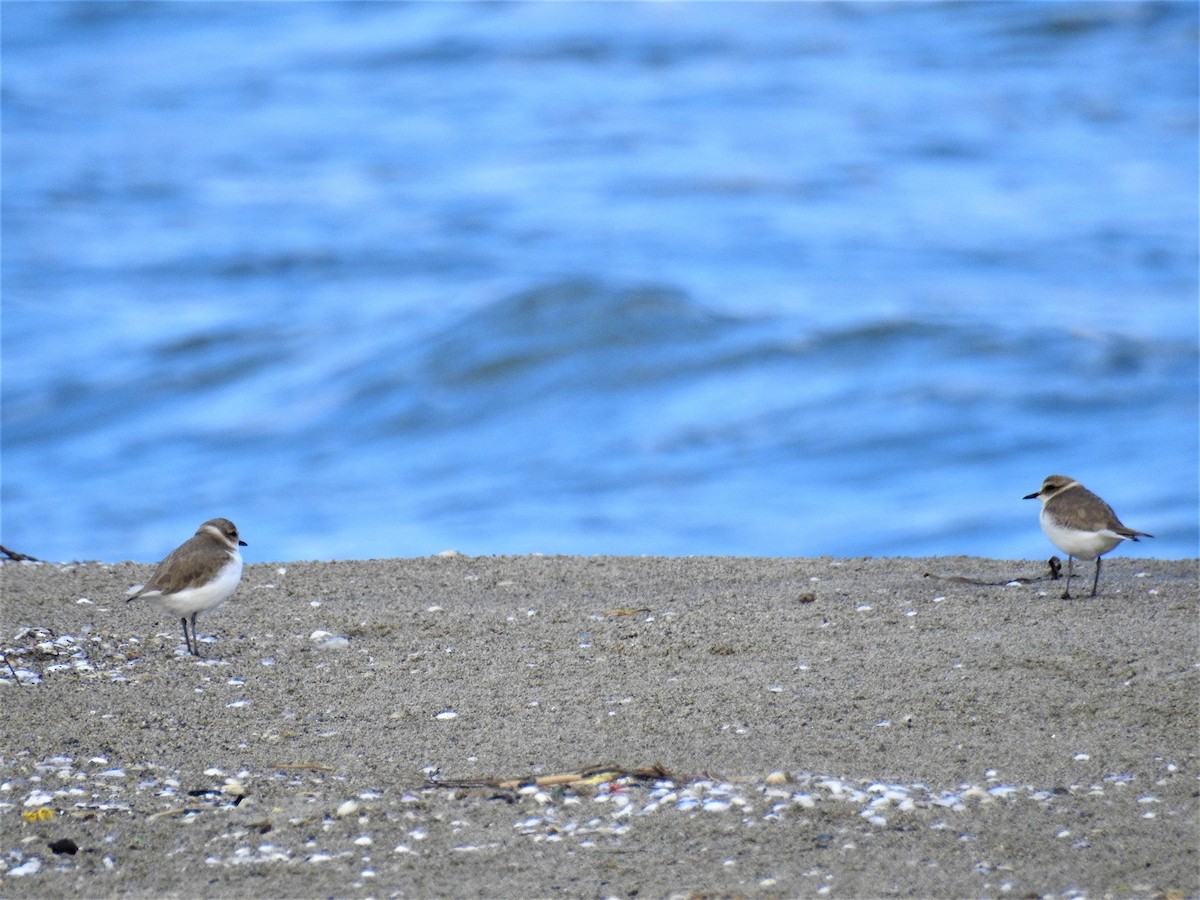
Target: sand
822 727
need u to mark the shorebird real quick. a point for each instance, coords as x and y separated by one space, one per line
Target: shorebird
1079 523
198 575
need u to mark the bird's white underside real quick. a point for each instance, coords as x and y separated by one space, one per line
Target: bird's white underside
1080 544
205 597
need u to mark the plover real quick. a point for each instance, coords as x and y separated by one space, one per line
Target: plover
1079 523
198 575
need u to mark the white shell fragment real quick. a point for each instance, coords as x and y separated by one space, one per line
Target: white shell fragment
327 640
29 867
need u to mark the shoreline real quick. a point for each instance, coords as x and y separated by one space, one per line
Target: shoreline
824 727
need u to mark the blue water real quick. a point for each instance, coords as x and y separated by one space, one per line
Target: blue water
665 278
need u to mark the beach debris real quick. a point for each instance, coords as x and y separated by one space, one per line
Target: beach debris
584 806
326 640
17 557
643 790
235 789
590 776
64 846
29 867
90 655
309 767
1055 566
39 798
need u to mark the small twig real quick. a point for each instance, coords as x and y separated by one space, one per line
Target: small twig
174 811
314 767
1055 565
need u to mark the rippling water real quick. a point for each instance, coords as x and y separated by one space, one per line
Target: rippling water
669 278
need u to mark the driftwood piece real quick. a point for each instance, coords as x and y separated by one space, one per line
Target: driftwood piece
589 776
17 557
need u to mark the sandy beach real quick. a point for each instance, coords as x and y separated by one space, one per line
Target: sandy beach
944 727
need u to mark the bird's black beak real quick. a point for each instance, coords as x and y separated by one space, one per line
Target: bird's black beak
1032 496
243 544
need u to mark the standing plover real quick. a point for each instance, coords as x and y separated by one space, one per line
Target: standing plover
198 575
1079 523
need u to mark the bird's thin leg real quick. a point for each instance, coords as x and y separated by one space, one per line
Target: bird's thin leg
195 637
1096 580
190 640
1070 572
